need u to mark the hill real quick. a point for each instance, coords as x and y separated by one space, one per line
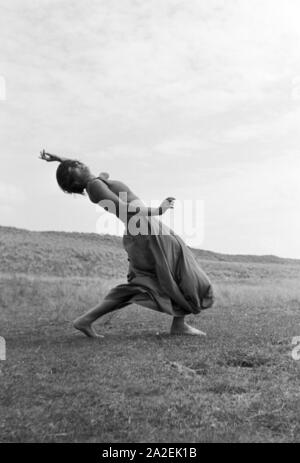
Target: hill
92 255
240 383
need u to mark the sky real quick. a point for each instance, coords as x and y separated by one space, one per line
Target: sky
195 99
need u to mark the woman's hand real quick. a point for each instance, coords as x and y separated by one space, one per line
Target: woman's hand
49 157
167 203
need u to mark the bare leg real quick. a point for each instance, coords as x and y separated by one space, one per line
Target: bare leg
180 327
84 323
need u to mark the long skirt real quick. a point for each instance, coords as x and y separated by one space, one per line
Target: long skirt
163 273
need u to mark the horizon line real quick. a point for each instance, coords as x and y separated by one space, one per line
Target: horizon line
120 237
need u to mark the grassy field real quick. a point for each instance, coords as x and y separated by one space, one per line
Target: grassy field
138 384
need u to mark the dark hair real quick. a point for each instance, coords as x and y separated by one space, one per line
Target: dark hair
68 181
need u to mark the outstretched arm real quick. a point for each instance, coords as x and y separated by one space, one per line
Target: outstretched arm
167 203
51 157
99 193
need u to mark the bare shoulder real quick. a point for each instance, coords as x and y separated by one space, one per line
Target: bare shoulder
120 187
97 190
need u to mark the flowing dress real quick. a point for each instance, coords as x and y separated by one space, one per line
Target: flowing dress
163 273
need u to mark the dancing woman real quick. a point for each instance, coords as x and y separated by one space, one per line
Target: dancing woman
163 274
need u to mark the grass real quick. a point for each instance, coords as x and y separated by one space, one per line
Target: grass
138 384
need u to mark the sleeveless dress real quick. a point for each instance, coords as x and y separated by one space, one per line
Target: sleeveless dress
163 273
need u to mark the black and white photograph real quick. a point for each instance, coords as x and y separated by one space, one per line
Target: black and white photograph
149 224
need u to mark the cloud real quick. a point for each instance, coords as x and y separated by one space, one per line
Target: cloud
11 198
2 88
11 194
193 95
254 208
181 146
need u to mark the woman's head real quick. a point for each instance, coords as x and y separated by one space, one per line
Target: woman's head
72 176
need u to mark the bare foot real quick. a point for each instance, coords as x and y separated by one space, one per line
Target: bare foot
86 328
187 330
